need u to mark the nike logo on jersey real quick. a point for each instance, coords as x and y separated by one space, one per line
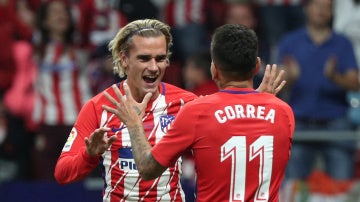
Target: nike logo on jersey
146 126
113 129
165 121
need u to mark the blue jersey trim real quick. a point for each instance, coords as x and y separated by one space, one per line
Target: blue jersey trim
163 88
238 91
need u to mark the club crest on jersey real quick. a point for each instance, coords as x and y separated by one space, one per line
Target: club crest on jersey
70 140
165 121
126 159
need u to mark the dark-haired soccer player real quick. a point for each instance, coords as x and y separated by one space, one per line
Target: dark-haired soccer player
240 138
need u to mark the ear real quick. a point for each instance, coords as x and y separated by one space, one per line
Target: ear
123 59
214 72
258 65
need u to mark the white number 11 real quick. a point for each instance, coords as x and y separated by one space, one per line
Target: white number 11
236 149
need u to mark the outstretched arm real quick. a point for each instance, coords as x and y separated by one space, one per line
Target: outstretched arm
272 81
130 113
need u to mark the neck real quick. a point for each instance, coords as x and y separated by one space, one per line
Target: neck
139 95
55 36
319 34
236 84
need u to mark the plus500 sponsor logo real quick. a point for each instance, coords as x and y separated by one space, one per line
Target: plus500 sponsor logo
126 160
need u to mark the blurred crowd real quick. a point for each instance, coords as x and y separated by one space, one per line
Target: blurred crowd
55 57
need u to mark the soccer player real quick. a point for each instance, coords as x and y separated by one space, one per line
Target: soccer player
240 138
140 51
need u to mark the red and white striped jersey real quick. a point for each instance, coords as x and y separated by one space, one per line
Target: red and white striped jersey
122 180
61 86
179 13
279 2
241 142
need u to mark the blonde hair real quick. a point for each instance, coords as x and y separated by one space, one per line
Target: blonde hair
123 39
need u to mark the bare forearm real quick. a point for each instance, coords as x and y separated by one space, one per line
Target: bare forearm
147 166
348 81
130 113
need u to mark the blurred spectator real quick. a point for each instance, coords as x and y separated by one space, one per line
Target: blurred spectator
187 21
276 18
61 86
346 15
99 21
245 13
240 12
321 67
11 28
139 9
346 20
192 22
197 76
101 69
16 74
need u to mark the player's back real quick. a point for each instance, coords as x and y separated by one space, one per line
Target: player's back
241 145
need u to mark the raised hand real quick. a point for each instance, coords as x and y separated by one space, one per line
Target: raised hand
330 68
272 81
98 143
127 109
292 69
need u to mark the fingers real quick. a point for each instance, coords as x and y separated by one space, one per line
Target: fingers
267 73
117 91
97 143
279 78
98 134
273 73
146 99
111 140
87 142
127 91
110 98
281 86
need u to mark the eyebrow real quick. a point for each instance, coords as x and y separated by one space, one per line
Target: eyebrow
148 57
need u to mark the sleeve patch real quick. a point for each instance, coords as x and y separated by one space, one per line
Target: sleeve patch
70 140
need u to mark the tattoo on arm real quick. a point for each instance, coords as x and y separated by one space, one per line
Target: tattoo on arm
147 166
138 111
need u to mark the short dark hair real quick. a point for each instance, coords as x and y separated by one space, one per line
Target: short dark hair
234 51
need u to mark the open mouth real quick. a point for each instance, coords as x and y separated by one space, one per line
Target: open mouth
150 79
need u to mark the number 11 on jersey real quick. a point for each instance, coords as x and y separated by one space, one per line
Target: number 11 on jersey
261 149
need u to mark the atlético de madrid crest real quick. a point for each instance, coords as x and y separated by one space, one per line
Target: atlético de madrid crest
165 121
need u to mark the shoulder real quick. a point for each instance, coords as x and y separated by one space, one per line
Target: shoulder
99 99
175 92
278 103
204 102
341 38
296 36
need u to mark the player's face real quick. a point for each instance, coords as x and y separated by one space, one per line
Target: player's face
146 65
240 14
319 12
